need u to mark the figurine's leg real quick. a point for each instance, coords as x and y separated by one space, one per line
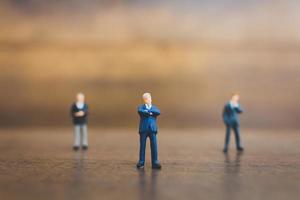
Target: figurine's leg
143 140
227 138
154 151
236 130
76 136
85 136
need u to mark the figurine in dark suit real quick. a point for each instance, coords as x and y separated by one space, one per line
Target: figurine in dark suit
148 128
231 119
79 113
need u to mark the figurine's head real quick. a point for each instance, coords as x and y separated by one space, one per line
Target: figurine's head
235 97
80 97
147 98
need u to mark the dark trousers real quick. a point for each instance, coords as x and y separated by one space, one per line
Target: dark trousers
236 130
153 145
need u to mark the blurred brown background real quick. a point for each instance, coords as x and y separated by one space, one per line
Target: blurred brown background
189 54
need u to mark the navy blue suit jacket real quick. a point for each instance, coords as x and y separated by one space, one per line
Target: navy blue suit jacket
230 115
79 120
148 119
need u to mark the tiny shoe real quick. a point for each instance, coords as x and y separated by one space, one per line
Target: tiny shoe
240 149
225 150
156 166
85 147
75 148
139 166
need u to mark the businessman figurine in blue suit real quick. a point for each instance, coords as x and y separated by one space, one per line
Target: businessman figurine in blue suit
148 128
230 117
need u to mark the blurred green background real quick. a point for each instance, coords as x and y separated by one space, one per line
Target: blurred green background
191 55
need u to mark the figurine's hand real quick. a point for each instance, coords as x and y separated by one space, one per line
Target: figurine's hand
79 114
235 104
150 113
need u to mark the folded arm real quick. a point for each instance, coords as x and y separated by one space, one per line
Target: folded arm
239 109
155 111
143 112
81 113
86 111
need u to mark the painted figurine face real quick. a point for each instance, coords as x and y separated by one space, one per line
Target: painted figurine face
235 98
147 98
80 97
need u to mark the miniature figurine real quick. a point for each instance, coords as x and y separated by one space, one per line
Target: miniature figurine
230 116
148 128
79 113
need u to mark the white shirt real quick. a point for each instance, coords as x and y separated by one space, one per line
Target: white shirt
234 105
79 105
148 107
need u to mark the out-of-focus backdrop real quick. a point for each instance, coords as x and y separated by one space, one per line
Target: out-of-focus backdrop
191 55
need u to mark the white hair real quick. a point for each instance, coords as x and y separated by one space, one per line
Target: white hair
146 95
80 94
